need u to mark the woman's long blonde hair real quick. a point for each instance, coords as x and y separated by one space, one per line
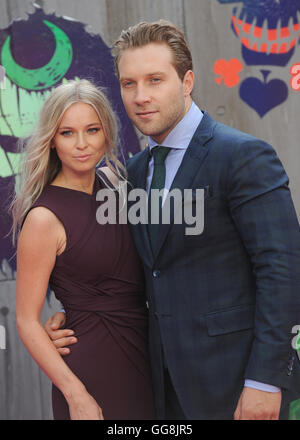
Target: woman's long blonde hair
41 164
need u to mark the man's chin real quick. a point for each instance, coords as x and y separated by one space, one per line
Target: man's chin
147 130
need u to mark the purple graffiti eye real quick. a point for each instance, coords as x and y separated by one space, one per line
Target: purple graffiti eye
47 75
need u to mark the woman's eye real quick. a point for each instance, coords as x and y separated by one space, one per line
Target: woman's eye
93 130
66 133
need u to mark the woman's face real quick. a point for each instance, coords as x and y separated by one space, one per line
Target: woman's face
79 140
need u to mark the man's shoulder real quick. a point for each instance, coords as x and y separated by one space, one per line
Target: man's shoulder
230 134
228 140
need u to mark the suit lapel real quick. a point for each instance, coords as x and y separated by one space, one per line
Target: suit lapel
190 166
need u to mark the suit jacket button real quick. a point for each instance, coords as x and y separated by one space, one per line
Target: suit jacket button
156 273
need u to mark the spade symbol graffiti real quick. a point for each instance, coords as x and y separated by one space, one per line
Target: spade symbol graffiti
262 96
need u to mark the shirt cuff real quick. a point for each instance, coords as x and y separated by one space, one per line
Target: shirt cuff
261 386
63 311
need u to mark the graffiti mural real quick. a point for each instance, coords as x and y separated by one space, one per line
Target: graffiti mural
295 79
36 55
269 32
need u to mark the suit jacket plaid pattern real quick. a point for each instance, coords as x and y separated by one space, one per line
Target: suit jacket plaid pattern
222 304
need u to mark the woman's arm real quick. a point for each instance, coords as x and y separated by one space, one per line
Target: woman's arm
63 338
41 239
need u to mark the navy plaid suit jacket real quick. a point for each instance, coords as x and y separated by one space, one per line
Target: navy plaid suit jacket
222 304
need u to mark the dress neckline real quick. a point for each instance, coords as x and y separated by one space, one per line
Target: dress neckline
77 190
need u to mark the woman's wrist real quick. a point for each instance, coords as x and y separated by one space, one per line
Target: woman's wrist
73 390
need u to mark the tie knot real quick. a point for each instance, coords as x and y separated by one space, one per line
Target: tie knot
160 154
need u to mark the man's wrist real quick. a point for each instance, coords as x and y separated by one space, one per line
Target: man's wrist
261 386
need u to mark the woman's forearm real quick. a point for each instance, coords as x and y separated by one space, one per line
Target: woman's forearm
45 354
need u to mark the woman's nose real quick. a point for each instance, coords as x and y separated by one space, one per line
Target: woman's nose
81 141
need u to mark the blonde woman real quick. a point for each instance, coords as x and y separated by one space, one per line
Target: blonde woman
92 268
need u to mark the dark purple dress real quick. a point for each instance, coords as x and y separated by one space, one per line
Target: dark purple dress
99 281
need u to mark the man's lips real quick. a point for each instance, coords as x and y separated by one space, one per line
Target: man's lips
146 114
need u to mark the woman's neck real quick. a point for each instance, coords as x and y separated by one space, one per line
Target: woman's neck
81 182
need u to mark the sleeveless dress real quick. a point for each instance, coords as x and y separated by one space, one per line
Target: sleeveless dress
99 280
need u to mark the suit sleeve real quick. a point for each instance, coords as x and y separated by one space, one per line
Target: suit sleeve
263 212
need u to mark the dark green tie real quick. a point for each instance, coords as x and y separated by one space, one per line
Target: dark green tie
158 182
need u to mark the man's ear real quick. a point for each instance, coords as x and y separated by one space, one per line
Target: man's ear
188 82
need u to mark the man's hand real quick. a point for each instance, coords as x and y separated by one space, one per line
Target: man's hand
60 338
258 405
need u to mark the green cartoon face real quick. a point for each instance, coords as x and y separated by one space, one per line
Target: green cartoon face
19 110
20 99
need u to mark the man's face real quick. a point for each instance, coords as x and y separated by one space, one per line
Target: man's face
154 96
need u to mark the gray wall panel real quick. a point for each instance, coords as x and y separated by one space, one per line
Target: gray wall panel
25 389
122 14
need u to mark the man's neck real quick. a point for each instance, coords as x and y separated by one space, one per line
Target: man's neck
188 104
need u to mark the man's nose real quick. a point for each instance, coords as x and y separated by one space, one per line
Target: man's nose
142 95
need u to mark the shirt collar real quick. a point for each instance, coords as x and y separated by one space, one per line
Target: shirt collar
181 135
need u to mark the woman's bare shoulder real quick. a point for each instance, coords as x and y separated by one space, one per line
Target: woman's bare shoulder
41 217
41 222
41 231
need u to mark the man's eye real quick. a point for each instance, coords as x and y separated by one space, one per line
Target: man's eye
155 80
127 84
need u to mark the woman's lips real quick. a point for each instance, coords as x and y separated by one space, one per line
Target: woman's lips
83 158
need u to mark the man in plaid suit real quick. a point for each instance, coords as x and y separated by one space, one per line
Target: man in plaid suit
221 303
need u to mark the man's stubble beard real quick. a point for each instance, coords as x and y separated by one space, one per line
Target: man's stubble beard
165 124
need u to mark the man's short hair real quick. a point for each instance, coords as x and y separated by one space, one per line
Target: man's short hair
162 32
